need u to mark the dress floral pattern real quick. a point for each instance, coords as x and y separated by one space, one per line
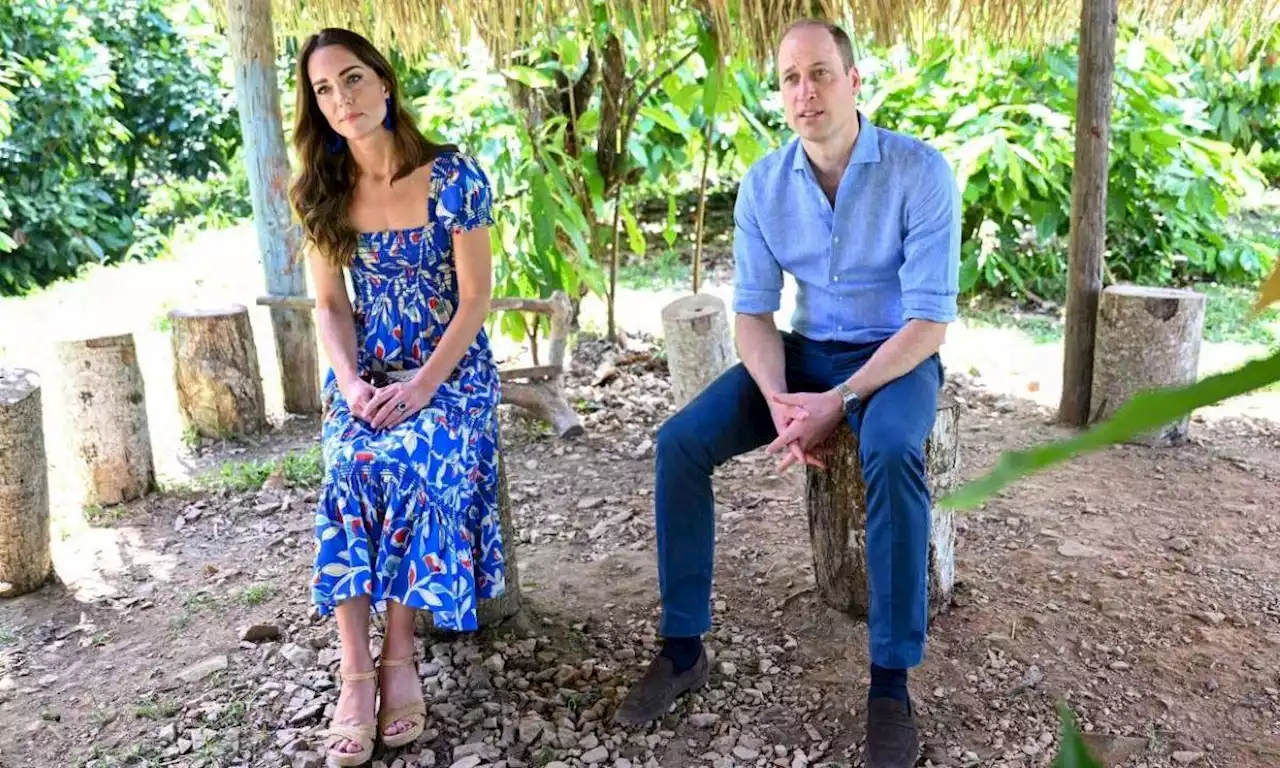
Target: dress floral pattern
410 513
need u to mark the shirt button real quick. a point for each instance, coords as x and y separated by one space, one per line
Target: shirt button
835 239
835 279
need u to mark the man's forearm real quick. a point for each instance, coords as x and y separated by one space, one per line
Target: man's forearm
898 355
760 349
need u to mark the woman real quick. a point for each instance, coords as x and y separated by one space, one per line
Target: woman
408 516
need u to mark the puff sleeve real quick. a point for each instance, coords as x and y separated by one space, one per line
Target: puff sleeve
466 198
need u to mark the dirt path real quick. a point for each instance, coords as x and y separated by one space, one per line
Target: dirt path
1141 585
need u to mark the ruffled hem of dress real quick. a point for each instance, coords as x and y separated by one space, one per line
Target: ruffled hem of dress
460 621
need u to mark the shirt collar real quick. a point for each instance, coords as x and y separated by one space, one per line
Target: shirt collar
866 148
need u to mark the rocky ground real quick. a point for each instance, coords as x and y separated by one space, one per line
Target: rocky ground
1140 585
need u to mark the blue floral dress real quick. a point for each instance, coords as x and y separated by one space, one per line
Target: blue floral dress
410 513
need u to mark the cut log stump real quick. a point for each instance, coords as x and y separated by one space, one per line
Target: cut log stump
1147 338
836 498
105 403
215 363
698 343
25 560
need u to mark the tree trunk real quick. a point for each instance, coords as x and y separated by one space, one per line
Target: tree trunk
1147 338
507 605
1088 205
104 399
836 498
25 561
257 96
698 344
215 364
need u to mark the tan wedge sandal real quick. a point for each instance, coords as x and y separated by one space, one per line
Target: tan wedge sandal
415 712
363 734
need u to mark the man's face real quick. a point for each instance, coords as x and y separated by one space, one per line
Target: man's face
817 93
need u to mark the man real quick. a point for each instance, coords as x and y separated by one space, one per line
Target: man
868 223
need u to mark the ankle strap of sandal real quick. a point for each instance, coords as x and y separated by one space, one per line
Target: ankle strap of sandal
355 676
385 662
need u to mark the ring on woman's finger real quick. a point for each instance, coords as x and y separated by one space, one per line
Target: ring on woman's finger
401 406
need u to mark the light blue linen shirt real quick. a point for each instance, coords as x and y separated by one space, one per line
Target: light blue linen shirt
887 252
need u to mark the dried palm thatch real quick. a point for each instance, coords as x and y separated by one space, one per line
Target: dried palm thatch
750 26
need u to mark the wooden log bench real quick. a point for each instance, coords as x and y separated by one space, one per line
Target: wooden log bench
25 559
836 502
538 389
105 406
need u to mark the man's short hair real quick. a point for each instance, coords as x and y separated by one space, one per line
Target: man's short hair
843 44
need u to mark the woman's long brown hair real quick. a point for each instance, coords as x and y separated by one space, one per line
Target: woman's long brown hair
322 192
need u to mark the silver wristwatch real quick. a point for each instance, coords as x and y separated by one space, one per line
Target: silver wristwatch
848 396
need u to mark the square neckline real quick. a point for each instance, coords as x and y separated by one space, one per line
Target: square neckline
431 178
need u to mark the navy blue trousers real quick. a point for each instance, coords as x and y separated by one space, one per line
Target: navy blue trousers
730 417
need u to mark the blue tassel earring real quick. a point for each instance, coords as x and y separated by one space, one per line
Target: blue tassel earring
389 122
334 143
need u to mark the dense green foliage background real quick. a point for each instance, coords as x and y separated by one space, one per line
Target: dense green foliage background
117 124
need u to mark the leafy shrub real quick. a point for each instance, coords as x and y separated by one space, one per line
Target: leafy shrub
103 101
1006 121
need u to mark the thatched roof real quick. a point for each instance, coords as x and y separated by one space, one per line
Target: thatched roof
750 26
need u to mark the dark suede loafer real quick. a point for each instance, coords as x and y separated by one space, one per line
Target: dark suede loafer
892 738
654 693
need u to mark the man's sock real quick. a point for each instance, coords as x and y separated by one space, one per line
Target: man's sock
683 651
888 683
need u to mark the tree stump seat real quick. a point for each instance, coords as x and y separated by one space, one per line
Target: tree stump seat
25 559
836 504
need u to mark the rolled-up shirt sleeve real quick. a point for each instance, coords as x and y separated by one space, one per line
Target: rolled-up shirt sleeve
757 276
930 274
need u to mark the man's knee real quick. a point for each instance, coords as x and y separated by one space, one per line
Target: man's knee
887 450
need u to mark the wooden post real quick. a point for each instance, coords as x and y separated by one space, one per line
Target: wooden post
25 561
837 508
257 96
1088 205
698 344
1147 338
215 368
104 399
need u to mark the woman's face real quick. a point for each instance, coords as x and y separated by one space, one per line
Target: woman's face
351 95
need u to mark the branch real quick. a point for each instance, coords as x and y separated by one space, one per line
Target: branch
634 110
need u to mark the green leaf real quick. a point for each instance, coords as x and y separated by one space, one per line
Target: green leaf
661 117
544 233
529 76
569 52
1072 752
1143 413
635 238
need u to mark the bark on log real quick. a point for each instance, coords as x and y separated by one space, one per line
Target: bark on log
25 560
836 500
1147 338
698 344
215 364
547 403
104 399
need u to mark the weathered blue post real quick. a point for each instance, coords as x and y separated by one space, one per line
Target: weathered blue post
258 98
